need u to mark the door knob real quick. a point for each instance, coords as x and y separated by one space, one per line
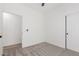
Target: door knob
66 33
0 36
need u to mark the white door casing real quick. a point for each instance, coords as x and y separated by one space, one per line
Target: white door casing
1 34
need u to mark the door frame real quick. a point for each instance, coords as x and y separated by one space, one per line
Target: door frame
66 32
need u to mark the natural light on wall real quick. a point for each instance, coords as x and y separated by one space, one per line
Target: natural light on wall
7 15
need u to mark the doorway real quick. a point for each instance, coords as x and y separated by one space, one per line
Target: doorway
12 31
72 32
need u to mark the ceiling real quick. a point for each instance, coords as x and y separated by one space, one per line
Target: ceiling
37 6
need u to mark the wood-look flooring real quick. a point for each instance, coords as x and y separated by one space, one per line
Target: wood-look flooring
42 49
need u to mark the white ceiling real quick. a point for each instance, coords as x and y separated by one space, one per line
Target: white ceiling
37 6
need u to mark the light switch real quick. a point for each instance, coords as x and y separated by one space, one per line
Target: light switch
27 30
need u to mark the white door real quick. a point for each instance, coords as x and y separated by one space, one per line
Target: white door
73 32
12 28
1 45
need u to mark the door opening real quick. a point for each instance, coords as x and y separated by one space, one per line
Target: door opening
12 29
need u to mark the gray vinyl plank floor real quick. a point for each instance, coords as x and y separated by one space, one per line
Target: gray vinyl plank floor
42 49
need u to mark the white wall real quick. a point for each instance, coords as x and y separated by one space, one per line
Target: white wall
12 29
32 19
55 29
56 23
48 27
